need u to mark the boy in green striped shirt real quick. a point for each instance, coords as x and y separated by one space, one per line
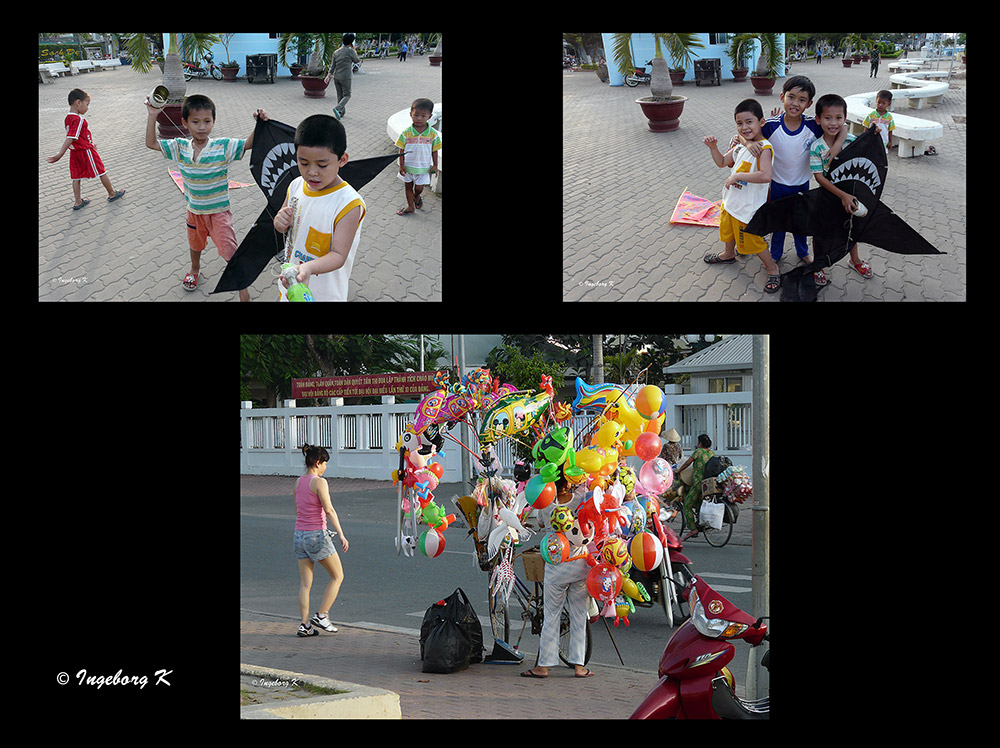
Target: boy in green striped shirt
204 166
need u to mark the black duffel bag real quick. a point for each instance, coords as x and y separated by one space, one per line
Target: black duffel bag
450 636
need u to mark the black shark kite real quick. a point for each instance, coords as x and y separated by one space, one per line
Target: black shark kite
858 170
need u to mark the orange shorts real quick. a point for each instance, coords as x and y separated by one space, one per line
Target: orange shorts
219 226
746 244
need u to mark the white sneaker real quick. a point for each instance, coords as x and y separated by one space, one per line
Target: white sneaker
323 623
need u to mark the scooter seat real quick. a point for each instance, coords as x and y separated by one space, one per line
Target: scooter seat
728 705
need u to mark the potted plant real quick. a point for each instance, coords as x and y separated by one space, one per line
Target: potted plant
231 68
771 57
435 56
662 109
313 77
739 55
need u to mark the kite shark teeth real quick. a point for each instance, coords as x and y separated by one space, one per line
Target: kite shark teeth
859 169
278 160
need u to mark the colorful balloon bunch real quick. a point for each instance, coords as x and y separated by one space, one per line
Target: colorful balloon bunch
421 475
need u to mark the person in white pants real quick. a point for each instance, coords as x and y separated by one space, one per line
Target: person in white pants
565 584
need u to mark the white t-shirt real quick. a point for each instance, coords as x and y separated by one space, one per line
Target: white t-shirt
311 234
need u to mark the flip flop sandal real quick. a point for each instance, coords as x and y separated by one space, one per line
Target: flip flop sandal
190 281
773 284
116 196
864 269
404 212
713 259
532 674
418 202
585 675
83 204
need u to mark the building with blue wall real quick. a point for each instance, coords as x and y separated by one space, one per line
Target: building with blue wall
643 49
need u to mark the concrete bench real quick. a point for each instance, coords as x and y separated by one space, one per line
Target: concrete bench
916 88
910 134
49 71
82 66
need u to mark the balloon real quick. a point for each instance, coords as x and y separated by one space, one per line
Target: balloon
437 468
615 551
554 548
510 415
647 446
650 402
431 543
539 493
646 551
604 582
656 476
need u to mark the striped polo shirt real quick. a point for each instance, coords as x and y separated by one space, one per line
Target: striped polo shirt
206 181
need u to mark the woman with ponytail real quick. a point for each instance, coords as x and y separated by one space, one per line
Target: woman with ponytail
313 542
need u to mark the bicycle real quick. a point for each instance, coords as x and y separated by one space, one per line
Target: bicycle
711 492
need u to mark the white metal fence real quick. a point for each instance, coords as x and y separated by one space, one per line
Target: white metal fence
361 439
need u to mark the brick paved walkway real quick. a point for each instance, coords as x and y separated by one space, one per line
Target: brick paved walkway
136 248
621 183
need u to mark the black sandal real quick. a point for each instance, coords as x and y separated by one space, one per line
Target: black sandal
713 259
773 284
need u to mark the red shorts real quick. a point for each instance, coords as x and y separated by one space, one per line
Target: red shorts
219 226
84 163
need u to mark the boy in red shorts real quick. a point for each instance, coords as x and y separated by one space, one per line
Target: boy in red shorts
204 166
84 163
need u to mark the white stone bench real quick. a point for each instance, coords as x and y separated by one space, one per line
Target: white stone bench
49 71
916 89
111 63
80 66
401 120
911 134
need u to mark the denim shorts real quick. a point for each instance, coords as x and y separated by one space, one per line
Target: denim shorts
313 544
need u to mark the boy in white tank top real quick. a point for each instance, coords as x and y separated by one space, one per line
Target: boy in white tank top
322 212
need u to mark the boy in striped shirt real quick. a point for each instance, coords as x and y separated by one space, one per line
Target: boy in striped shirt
204 166
418 146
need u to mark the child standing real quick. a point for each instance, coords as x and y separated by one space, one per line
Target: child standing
419 145
831 113
882 118
323 211
745 191
204 166
84 163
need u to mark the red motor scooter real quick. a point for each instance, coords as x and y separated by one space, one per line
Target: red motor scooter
694 680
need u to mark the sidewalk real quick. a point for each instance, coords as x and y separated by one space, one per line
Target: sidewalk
136 249
391 660
621 183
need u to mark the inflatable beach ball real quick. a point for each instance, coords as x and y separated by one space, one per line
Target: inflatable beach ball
646 551
554 548
650 402
431 543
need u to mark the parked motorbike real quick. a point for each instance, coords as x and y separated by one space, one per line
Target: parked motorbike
191 70
639 76
694 680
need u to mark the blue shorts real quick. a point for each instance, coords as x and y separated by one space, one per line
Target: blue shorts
313 544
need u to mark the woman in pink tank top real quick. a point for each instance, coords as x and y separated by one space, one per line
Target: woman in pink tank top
312 543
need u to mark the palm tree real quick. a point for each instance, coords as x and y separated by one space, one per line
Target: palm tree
191 45
679 47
